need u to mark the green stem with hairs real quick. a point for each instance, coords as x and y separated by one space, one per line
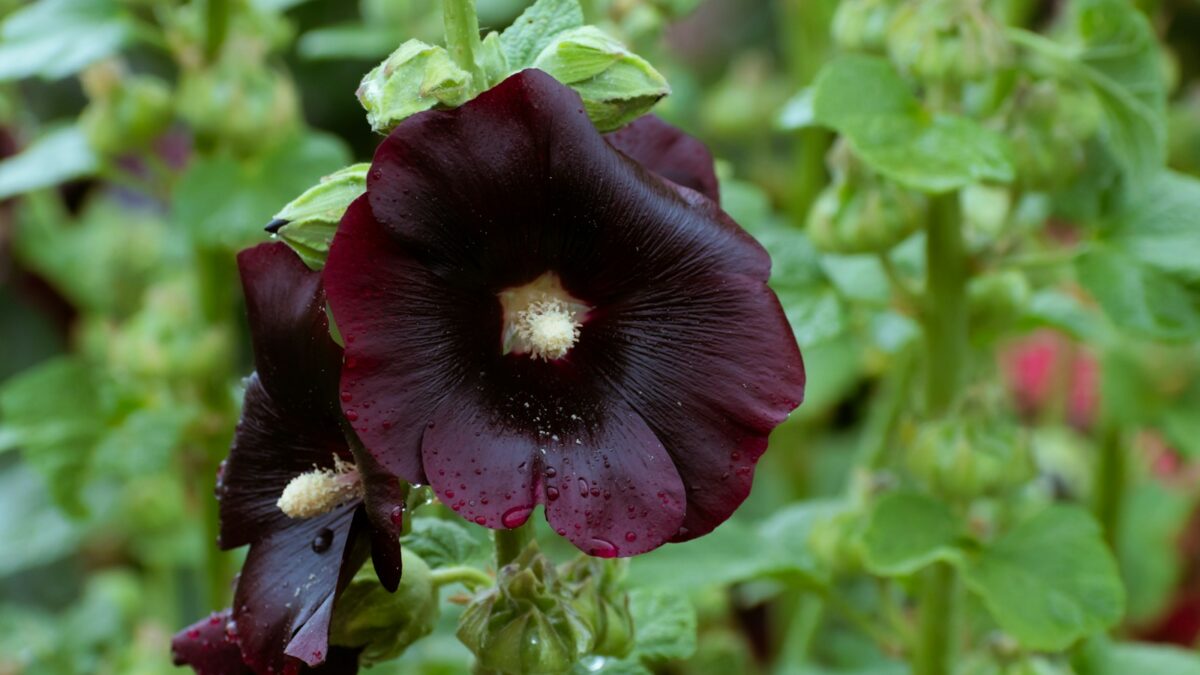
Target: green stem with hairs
462 38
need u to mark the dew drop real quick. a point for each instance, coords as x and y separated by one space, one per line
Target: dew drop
551 472
514 517
193 633
323 540
352 415
397 515
583 487
551 493
480 520
631 536
602 548
449 494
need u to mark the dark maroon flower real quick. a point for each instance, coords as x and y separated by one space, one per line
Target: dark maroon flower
292 488
210 648
532 317
668 152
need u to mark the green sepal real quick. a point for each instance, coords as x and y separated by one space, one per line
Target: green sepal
310 220
616 85
416 77
384 624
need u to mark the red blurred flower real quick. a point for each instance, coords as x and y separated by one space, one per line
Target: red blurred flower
1046 365
533 317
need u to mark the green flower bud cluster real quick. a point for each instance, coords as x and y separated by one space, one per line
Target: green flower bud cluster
997 300
970 457
858 212
307 224
125 112
537 620
947 40
862 25
384 624
1047 127
247 107
593 585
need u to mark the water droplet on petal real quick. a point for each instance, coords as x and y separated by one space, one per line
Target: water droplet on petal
514 517
631 536
602 548
397 515
323 540
551 493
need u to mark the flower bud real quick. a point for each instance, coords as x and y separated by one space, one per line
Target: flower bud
970 457
616 85
997 300
415 77
125 114
837 542
307 224
594 586
858 213
1048 127
861 25
384 624
244 107
946 40
525 624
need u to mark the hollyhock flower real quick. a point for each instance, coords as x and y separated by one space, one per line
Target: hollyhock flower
533 317
1033 366
292 489
210 649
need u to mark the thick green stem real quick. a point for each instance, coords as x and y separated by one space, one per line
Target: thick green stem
934 654
1110 483
510 543
216 27
463 574
462 38
945 305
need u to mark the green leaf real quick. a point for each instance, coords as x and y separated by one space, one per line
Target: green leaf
536 27
815 313
1159 225
53 411
908 531
443 543
1139 299
1050 580
1101 657
349 41
56 38
664 624
1152 519
865 100
225 203
55 158
37 533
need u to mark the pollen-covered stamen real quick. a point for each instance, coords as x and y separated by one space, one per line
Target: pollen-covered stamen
319 491
541 319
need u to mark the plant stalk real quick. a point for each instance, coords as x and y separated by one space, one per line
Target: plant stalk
510 543
934 653
462 38
216 27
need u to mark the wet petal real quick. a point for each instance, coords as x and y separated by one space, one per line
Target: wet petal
284 596
294 355
204 647
668 152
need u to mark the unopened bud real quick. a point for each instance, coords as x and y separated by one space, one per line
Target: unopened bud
384 624
307 224
416 77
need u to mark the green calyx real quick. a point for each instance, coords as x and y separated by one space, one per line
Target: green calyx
593 585
969 457
384 624
947 40
526 623
307 224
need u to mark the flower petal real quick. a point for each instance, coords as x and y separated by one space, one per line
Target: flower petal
668 152
270 448
206 647
294 355
607 483
711 382
285 593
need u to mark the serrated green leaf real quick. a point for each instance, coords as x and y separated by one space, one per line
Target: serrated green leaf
1139 299
55 414
225 203
536 27
56 38
57 157
1050 580
664 624
908 531
443 543
864 99
1159 225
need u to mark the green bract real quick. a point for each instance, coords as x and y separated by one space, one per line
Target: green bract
616 84
308 222
416 77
